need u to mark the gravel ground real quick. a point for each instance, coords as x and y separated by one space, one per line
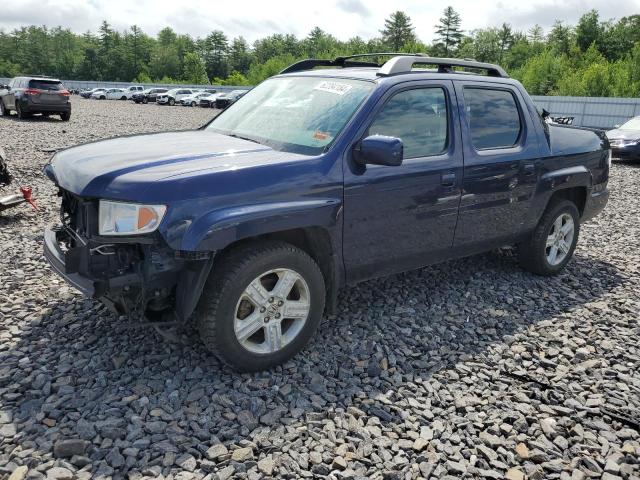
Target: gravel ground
469 369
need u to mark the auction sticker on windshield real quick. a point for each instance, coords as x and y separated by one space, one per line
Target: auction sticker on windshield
333 87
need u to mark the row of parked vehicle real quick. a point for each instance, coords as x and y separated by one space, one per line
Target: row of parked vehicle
188 97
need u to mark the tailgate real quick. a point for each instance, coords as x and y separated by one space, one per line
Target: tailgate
48 92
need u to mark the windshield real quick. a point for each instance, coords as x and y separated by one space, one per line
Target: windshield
294 114
45 85
633 124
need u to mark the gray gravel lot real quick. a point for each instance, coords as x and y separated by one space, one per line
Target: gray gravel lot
469 369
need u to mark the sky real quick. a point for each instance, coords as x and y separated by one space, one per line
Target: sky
257 19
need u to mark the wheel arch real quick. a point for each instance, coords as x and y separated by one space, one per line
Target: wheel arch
576 194
314 240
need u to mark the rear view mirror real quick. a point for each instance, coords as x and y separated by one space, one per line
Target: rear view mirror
379 150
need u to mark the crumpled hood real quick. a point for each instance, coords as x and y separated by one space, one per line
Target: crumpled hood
123 168
620 134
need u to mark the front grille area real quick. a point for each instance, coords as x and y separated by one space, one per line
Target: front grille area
86 254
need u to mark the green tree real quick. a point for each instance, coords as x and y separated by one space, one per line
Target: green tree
215 49
560 38
194 70
448 31
588 30
397 30
239 56
505 40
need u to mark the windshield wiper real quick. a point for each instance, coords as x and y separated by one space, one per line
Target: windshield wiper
234 135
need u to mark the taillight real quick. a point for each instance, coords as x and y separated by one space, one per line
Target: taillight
32 91
64 93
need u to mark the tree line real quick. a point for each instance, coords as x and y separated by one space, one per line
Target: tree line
595 57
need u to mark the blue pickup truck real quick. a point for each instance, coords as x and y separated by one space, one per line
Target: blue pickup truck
315 179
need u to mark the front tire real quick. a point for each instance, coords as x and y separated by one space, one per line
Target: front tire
65 116
261 305
554 240
145 100
172 102
4 111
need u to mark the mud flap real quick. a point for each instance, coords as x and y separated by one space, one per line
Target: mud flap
190 286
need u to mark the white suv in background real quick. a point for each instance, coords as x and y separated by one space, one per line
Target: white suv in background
109 94
174 96
129 91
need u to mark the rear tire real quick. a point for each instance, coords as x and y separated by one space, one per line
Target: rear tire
123 98
4 111
242 313
553 241
21 115
65 116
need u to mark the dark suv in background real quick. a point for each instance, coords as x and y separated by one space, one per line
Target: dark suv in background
28 95
148 95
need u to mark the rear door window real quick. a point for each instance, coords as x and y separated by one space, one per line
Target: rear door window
45 85
493 116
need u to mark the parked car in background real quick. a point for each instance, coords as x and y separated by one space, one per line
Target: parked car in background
29 95
318 179
173 96
193 99
625 140
148 95
209 100
226 99
110 94
90 91
129 91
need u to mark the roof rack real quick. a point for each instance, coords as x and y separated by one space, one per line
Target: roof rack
343 62
404 64
400 63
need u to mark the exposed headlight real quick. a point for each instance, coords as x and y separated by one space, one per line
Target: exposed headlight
118 218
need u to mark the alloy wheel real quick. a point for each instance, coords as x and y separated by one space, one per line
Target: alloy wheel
272 311
560 239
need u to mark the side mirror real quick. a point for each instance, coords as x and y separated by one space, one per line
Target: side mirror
545 113
379 150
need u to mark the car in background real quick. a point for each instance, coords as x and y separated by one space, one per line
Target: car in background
110 94
194 99
148 95
209 100
129 91
29 95
223 101
86 93
174 95
625 140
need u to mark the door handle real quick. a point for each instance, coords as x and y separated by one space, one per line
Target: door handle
529 169
448 179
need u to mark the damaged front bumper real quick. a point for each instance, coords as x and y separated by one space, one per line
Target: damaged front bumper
137 277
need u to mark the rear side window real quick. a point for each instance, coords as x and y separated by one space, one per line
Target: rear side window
45 85
418 117
494 118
